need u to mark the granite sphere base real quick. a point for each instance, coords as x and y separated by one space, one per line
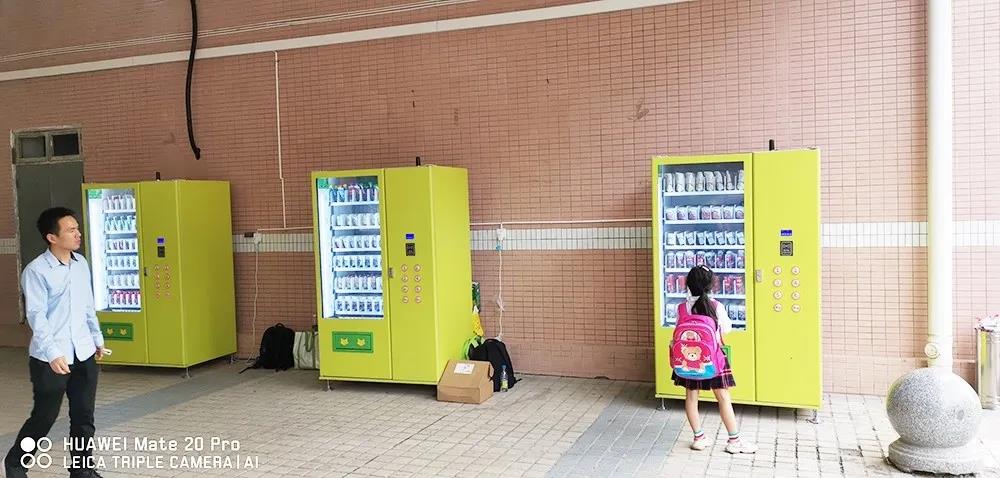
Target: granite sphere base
937 416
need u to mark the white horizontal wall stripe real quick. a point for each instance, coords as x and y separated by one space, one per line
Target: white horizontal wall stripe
439 26
8 246
836 235
281 242
234 30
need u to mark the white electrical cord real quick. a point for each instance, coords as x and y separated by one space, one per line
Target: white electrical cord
500 296
256 288
501 236
257 238
277 114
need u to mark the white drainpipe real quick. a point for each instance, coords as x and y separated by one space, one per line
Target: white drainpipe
940 322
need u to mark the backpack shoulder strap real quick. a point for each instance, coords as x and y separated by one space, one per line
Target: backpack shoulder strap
682 310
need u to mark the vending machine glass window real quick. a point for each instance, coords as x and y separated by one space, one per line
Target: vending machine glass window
350 238
703 224
114 249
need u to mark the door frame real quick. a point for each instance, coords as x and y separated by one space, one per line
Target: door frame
15 161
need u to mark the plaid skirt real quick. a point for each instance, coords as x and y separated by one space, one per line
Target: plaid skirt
723 380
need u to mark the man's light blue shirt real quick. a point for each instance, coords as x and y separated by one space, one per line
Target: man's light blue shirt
59 304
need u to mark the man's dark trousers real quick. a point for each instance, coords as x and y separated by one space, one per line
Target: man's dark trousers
48 388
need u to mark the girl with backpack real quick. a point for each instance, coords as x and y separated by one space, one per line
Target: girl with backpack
699 362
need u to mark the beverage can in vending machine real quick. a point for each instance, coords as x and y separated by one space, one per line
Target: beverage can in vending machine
701 238
729 212
671 213
690 259
727 285
740 260
671 260
681 284
670 313
671 283
690 238
705 213
720 184
716 212
738 285
689 179
716 285
700 258
699 182
730 260
668 182
679 184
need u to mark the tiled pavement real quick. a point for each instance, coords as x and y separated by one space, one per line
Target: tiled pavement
545 426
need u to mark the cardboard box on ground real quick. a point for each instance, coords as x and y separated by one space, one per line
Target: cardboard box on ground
466 381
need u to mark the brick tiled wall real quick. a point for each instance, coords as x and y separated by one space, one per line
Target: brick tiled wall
558 120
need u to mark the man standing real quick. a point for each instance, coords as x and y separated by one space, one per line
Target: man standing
66 339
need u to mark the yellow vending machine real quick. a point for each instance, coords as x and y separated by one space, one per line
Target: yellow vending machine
754 219
393 270
161 255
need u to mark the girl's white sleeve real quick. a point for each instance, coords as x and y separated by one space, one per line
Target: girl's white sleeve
725 323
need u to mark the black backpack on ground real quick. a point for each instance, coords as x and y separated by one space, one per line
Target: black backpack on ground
495 352
275 349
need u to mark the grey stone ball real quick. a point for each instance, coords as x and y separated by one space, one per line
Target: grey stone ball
933 407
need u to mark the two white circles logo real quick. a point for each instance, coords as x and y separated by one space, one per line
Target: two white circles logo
29 446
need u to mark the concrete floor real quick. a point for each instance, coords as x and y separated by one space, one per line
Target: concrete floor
288 424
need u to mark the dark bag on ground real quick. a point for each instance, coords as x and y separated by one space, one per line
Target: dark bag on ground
495 352
275 349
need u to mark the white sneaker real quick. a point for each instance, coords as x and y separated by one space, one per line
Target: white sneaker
740 446
701 444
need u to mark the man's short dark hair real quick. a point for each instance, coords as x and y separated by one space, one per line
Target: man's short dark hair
48 221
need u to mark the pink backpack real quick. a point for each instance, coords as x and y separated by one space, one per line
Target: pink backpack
696 350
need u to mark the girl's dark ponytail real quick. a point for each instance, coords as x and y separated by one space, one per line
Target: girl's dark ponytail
699 282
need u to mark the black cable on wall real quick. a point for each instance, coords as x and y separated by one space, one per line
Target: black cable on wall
190 71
